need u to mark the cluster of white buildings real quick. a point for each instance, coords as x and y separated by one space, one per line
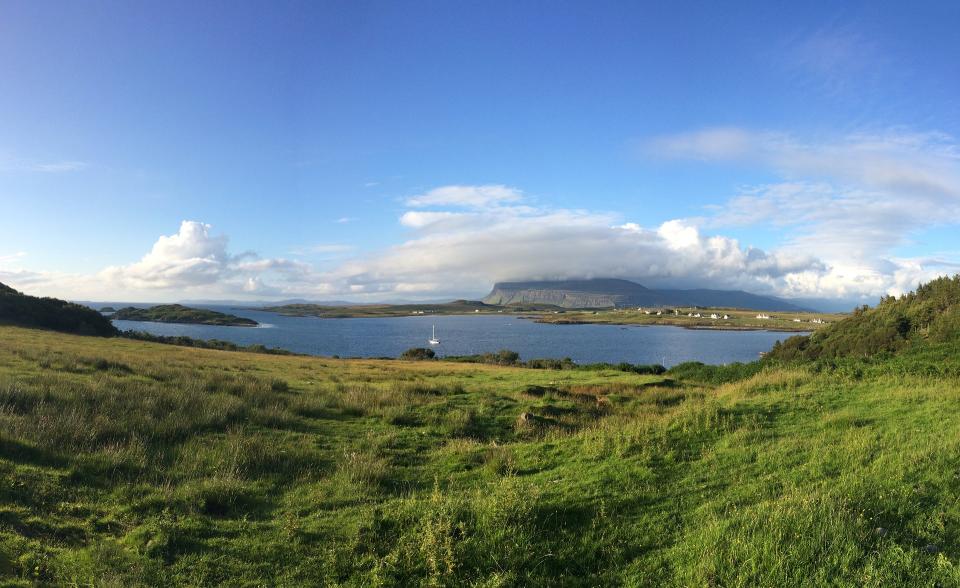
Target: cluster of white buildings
714 316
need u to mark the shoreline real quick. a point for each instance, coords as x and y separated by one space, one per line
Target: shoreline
689 327
256 326
543 318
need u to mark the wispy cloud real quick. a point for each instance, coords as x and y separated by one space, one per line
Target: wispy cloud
323 248
345 219
467 196
58 167
15 164
11 258
837 60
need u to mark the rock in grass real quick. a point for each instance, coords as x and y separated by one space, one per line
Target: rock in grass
526 418
931 548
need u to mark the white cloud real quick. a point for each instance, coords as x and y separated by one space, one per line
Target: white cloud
851 200
452 252
838 240
192 257
345 219
12 258
719 144
323 249
467 196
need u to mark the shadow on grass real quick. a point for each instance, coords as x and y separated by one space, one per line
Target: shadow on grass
22 453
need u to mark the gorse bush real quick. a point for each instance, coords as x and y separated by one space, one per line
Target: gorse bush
505 357
418 353
695 371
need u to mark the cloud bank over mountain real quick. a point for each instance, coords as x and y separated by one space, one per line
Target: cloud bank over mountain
843 210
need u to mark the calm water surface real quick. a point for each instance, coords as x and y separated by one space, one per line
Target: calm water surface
465 335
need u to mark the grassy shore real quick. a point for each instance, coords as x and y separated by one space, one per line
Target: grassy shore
737 320
130 463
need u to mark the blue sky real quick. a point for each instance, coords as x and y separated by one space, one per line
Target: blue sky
370 150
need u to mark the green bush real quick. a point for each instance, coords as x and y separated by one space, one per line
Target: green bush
695 371
418 354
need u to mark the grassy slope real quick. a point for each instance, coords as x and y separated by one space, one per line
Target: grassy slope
929 316
176 313
126 463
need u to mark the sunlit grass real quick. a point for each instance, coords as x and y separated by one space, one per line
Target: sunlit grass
129 463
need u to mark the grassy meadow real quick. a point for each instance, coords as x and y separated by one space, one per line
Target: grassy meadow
737 319
127 463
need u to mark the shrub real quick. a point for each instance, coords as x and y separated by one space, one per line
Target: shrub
418 354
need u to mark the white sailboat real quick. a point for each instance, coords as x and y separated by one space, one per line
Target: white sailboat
433 339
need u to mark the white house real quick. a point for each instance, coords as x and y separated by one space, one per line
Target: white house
763 316
726 317
714 316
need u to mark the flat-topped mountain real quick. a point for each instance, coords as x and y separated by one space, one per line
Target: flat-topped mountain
608 292
177 313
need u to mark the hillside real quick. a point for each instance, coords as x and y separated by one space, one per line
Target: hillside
177 313
606 293
129 463
51 313
927 317
125 462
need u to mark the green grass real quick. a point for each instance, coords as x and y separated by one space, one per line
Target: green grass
130 463
737 320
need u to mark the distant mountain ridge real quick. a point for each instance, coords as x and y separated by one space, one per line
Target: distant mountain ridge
610 292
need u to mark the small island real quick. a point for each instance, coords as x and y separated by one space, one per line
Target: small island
177 313
108 309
